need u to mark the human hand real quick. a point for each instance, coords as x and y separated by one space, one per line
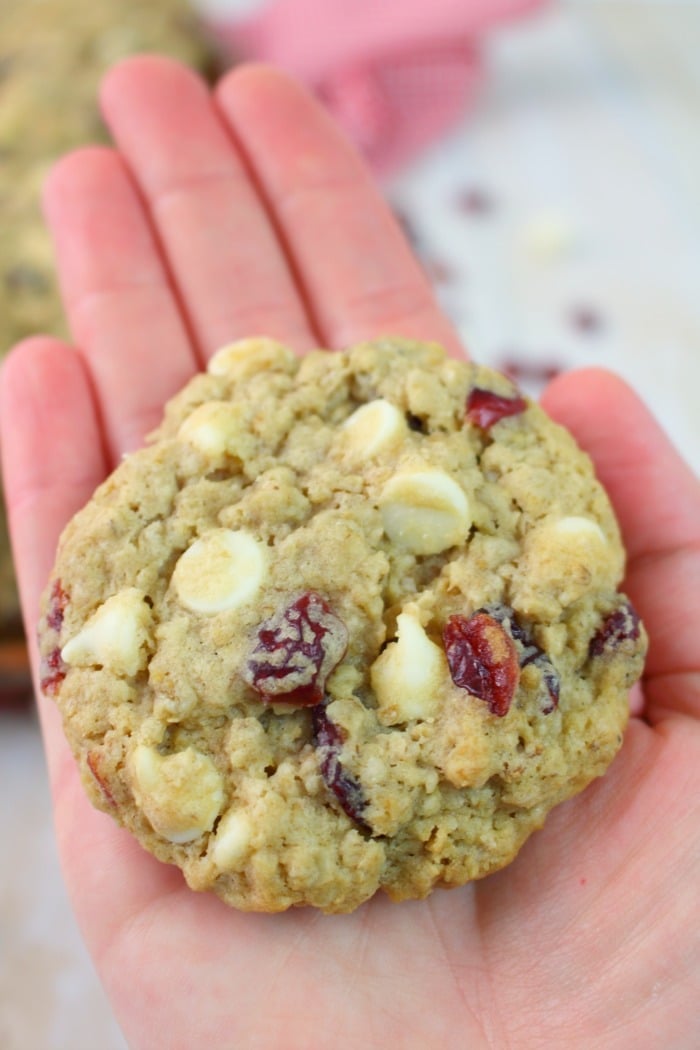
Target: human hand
245 213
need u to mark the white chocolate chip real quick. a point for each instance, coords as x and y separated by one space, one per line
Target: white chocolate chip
214 429
425 511
549 236
563 557
222 570
565 546
407 676
117 636
577 529
181 795
373 428
233 837
248 356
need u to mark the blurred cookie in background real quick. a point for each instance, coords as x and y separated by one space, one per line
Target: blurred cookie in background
53 54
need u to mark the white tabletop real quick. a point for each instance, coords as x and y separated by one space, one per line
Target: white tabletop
561 223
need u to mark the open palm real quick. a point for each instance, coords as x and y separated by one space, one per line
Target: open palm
242 213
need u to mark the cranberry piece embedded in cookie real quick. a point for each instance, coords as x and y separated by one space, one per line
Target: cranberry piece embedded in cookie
53 671
621 626
484 407
58 600
482 659
297 649
329 738
530 654
93 763
551 682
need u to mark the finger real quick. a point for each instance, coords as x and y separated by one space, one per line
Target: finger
53 459
358 274
225 256
121 307
657 500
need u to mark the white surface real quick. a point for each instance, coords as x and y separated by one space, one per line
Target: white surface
586 137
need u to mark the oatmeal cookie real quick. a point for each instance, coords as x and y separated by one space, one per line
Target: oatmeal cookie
348 622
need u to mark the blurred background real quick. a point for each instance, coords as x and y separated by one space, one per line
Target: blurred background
543 158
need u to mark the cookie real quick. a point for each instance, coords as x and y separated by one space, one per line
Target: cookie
347 623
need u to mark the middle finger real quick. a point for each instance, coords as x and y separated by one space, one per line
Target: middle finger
231 273
353 263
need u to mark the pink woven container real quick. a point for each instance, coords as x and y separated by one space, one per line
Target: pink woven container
396 76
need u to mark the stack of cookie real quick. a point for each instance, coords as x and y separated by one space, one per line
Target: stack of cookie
52 55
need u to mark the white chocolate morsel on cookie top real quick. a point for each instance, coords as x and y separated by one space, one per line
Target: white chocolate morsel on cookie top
372 429
222 570
181 794
247 356
563 557
117 636
232 840
407 676
215 429
425 511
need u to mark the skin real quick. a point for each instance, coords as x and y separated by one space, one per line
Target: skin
216 217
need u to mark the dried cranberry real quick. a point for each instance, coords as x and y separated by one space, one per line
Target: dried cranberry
329 738
586 320
482 659
53 671
473 200
551 682
93 763
484 407
58 600
619 627
522 370
297 649
507 618
529 654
